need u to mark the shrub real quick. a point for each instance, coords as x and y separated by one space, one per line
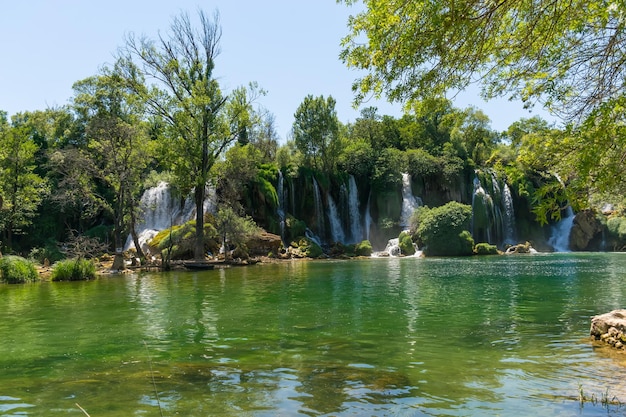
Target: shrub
485 249
17 270
406 244
363 249
73 270
443 231
309 248
49 251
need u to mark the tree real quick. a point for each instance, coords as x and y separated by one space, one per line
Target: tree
263 135
444 230
316 131
570 54
233 229
21 189
174 77
118 144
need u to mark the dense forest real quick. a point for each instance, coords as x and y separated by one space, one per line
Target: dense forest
158 115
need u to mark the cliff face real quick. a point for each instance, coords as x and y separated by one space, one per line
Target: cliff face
586 233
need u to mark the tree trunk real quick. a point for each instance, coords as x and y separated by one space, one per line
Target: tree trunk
118 260
133 232
198 250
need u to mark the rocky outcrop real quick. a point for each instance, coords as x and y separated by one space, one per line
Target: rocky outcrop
610 328
520 248
263 244
586 233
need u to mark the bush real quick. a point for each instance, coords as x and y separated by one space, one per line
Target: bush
406 244
17 270
73 270
443 231
50 251
485 249
363 249
616 233
309 248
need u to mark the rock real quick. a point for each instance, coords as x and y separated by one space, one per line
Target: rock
586 233
610 328
520 248
263 244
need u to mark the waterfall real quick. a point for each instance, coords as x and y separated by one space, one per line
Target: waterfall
319 212
482 213
336 229
281 204
561 231
509 216
409 201
493 216
160 210
356 229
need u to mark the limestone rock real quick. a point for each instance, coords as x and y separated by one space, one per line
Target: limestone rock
520 248
610 328
263 244
586 233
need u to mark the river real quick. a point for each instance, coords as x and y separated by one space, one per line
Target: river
480 336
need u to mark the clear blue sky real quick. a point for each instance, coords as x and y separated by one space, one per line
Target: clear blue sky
290 47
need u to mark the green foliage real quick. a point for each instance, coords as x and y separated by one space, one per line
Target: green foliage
358 158
21 188
17 270
443 231
73 270
405 242
363 248
388 169
309 248
616 226
294 228
49 251
424 49
180 239
233 229
485 249
101 232
422 164
316 132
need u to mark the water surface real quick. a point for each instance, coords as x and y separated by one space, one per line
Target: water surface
374 337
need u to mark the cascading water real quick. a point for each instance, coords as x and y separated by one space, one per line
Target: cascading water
559 239
509 216
336 229
409 201
356 229
160 210
281 204
319 211
493 215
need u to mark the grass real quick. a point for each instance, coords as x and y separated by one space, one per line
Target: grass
605 399
17 270
73 270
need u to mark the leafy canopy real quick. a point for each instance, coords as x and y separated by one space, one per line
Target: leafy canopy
568 54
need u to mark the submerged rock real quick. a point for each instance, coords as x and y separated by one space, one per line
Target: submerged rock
610 328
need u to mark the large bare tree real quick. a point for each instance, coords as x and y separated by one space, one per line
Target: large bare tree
173 74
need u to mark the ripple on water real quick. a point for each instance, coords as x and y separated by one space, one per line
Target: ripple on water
11 406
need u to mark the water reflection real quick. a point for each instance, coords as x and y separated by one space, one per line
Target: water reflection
502 335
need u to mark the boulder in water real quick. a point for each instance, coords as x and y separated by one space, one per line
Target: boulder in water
520 248
610 328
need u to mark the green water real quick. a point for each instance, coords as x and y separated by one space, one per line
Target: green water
374 337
